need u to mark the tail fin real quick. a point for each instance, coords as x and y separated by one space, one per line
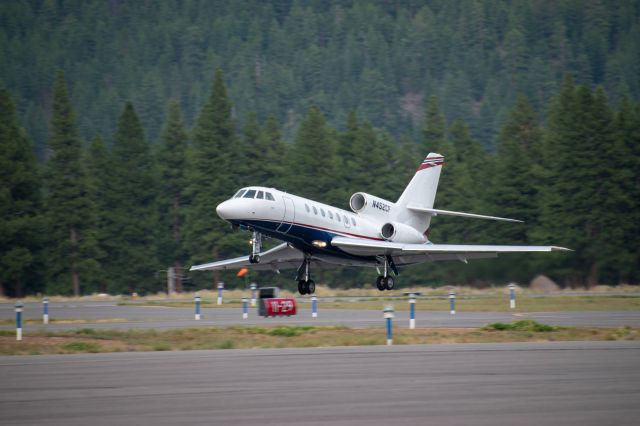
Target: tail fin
421 191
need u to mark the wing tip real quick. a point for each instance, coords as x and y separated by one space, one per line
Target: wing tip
558 248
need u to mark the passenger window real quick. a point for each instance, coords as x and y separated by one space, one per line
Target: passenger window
315 211
306 207
268 196
322 211
338 216
330 214
346 219
353 221
260 195
239 193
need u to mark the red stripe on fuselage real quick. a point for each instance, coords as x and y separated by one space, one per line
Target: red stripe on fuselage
328 230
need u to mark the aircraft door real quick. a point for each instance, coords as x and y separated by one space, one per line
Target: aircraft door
288 217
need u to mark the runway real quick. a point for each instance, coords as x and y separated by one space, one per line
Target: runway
568 383
94 314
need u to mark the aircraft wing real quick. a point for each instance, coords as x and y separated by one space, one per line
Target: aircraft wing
282 256
414 253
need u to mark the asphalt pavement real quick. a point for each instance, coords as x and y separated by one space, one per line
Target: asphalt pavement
103 314
554 383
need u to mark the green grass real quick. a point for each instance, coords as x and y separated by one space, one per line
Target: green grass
93 340
522 325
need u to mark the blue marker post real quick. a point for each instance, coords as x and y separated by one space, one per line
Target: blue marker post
45 310
254 288
220 289
314 306
245 308
197 300
452 301
412 311
18 321
388 315
512 296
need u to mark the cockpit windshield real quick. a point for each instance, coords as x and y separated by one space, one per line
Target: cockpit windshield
250 193
239 193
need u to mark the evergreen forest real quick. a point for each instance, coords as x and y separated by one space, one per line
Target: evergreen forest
123 124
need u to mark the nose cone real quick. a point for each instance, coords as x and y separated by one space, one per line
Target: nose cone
225 210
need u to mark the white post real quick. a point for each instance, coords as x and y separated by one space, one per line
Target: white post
245 308
220 289
19 321
314 306
45 310
197 300
452 301
512 296
388 315
412 311
253 287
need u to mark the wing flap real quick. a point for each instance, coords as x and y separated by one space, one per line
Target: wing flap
282 256
362 247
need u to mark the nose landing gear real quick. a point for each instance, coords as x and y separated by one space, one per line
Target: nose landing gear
256 243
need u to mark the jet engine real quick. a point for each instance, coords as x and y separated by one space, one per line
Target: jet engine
368 205
401 233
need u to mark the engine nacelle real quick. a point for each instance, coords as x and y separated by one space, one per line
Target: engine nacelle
401 233
368 205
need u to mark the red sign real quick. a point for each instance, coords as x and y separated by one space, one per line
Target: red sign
280 306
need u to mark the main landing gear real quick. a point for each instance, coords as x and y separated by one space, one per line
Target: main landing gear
386 281
305 284
256 243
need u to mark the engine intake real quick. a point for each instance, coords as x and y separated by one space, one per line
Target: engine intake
401 233
368 205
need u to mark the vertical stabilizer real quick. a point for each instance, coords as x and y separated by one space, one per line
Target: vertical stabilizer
421 191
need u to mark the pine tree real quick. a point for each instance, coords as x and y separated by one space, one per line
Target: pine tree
513 192
212 178
627 124
19 205
576 188
312 160
98 165
66 200
131 219
172 165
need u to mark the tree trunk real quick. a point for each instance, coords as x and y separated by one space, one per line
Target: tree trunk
75 278
178 276
592 278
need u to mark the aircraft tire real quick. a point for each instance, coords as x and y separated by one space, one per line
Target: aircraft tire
302 288
379 283
311 287
254 258
389 283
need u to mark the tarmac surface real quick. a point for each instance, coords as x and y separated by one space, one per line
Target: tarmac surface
554 383
111 315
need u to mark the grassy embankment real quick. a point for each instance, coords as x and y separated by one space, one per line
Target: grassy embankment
93 341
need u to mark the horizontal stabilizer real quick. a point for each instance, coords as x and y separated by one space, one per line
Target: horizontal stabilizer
436 212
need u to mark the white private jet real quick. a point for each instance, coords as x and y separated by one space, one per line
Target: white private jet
378 233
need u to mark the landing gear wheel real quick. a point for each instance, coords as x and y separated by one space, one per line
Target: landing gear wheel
254 258
311 287
379 283
388 283
302 287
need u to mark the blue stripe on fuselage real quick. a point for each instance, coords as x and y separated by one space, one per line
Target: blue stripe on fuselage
299 236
